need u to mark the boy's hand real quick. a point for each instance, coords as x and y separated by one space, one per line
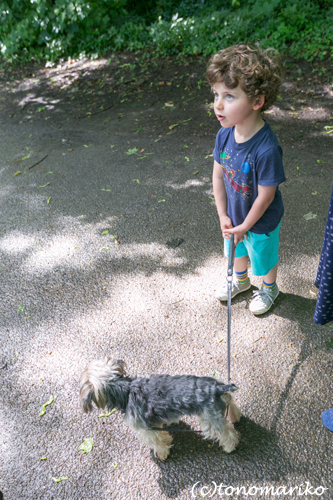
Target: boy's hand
225 223
238 232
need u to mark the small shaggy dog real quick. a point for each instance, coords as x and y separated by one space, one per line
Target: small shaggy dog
150 403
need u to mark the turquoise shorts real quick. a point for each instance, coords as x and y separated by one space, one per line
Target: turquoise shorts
262 250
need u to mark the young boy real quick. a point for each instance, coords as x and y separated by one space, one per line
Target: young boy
248 166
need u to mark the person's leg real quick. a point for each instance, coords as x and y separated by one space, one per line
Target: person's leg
240 264
263 253
240 282
271 276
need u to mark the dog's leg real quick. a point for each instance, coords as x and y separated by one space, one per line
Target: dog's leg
219 429
234 413
159 441
229 438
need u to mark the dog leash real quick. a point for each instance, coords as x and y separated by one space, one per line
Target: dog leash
229 278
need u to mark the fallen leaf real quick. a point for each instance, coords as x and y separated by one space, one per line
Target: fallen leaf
48 201
43 458
315 192
309 216
104 248
87 445
106 189
43 411
21 309
329 345
196 172
173 126
321 161
62 478
186 158
136 180
40 187
107 414
104 232
132 151
17 173
169 104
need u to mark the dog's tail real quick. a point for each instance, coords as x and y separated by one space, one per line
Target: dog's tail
96 383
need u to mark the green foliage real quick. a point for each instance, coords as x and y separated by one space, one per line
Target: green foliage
54 29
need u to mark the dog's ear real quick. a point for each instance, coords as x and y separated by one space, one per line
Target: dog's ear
86 403
90 392
118 366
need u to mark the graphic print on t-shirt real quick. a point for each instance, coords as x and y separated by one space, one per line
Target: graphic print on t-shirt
243 189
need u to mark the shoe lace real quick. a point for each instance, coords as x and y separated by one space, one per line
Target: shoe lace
263 293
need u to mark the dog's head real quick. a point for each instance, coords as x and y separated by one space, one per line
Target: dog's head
95 382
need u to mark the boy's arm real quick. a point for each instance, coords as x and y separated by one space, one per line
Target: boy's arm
220 196
265 197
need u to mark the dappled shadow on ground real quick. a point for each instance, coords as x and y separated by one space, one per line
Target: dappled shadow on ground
120 253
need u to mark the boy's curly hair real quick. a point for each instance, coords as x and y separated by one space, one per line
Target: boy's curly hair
257 71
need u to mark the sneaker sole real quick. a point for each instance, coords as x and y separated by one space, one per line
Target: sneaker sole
234 295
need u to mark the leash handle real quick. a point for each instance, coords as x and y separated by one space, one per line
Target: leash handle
231 255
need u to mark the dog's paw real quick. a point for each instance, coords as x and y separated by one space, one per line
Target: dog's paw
162 454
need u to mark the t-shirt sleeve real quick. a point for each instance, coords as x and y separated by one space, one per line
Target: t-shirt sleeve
270 171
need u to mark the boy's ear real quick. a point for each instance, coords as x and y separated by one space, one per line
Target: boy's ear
259 102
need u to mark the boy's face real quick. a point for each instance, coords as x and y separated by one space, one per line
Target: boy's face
233 107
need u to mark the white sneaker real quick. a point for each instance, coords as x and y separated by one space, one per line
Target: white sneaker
263 300
236 288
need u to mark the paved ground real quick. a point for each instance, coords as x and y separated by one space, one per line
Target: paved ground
140 169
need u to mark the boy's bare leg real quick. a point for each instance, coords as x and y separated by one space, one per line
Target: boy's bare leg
240 264
271 276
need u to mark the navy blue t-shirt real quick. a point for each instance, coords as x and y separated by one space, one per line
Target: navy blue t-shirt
245 165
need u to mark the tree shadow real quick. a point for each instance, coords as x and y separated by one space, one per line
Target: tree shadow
202 462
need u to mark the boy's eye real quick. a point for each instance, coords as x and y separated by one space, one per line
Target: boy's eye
229 97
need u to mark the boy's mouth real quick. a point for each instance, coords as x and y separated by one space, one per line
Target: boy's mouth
220 117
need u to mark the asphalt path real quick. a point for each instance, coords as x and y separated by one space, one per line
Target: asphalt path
144 292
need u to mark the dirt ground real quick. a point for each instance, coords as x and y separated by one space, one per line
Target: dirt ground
175 90
110 243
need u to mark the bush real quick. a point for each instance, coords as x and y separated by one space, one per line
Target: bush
53 29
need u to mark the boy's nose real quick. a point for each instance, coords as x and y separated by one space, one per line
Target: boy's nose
219 103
